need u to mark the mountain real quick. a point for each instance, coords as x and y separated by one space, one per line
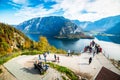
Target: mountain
51 26
77 22
103 24
81 24
48 26
11 39
13 25
114 30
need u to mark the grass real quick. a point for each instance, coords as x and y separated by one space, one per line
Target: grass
5 58
70 74
64 78
8 57
34 52
116 63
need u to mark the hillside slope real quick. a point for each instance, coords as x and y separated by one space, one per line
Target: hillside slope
114 30
11 39
103 24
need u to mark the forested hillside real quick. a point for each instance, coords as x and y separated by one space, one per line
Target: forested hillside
11 39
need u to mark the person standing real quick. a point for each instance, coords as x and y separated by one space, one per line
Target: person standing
55 57
45 56
39 57
92 43
93 54
90 60
68 52
90 49
48 52
93 51
58 59
96 48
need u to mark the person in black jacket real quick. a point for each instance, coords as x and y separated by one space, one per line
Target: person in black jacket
90 60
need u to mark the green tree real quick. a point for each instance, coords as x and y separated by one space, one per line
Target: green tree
43 44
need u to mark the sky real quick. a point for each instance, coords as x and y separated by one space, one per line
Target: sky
17 11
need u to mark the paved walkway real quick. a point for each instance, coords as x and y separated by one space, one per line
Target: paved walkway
22 72
97 63
22 67
80 63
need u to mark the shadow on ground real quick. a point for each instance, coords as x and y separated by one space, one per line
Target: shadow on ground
31 70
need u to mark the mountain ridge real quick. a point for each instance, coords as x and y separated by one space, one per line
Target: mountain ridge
50 26
114 30
103 24
40 24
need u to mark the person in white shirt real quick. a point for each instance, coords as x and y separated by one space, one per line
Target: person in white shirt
68 52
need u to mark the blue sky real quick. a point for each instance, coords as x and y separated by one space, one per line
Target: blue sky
17 11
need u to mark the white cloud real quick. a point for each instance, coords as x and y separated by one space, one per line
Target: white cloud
103 8
95 9
100 9
39 11
24 2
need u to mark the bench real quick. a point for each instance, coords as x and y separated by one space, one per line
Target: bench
42 68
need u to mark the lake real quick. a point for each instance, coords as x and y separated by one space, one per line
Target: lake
78 45
114 39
